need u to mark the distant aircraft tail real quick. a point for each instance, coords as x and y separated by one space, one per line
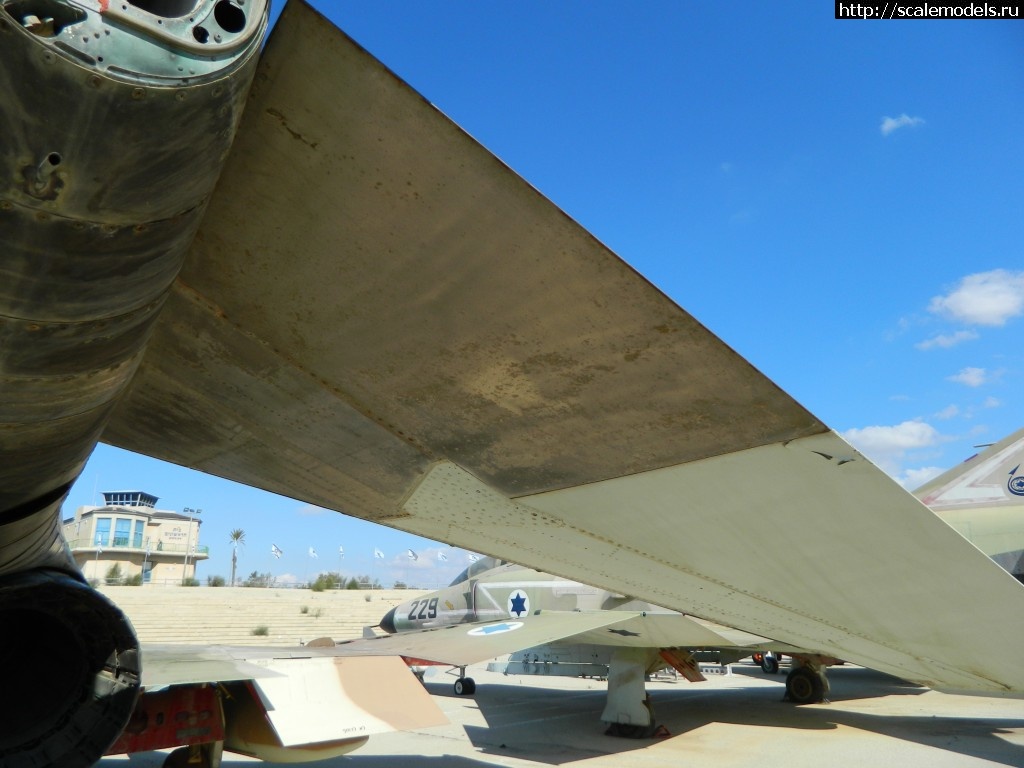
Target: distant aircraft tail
983 498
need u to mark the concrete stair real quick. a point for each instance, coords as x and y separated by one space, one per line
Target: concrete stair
230 615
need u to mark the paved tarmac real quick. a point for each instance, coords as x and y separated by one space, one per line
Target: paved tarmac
729 721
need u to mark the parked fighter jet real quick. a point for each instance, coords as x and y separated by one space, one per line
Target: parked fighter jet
554 626
467 363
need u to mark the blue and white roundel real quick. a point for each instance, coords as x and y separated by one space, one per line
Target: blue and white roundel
1015 485
518 604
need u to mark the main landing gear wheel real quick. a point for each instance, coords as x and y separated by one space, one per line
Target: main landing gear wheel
179 759
196 756
465 686
805 686
627 731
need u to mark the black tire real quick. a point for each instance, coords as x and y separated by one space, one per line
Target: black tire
179 758
465 686
805 686
627 731
769 664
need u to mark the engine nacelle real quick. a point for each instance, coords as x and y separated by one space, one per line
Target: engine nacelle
71 671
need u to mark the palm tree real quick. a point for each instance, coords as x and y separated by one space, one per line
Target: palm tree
236 537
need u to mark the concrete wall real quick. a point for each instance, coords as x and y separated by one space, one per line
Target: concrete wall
229 615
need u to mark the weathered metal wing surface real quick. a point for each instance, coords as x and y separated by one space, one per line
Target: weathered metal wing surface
379 317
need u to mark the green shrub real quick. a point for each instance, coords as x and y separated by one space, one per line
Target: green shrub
261 631
114 576
133 581
257 579
325 581
215 581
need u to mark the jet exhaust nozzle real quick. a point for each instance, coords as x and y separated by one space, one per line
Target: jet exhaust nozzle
72 671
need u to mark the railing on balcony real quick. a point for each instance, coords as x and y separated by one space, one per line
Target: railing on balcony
125 544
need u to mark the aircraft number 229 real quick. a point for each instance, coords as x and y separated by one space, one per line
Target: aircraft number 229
427 609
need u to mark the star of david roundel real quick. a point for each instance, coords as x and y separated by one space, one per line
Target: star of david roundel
518 603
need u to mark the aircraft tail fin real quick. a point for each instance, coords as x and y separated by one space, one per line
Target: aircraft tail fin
983 499
994 477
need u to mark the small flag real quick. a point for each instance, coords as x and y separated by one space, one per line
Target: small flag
276 551
412 555
378 554
341 551
312 553
474 558
99 548
149 545
442 557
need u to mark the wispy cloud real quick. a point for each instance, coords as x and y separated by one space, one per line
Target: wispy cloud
984 298
887 446
970 377
949 412
947 340
890 124
915 478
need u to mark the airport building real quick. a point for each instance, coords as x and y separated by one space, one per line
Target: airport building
130 532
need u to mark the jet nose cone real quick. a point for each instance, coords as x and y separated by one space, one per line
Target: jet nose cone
388 622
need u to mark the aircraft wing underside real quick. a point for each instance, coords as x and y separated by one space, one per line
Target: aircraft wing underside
379 317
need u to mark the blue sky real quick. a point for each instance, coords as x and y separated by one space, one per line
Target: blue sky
840 201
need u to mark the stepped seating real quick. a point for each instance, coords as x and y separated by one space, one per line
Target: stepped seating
234 615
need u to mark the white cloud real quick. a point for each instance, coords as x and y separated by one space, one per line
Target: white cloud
888 446
949 412
992 402
945 341
970 377
890 124
915 478
984 298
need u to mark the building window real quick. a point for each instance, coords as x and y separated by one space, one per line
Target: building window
121 532
137 538
102 531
